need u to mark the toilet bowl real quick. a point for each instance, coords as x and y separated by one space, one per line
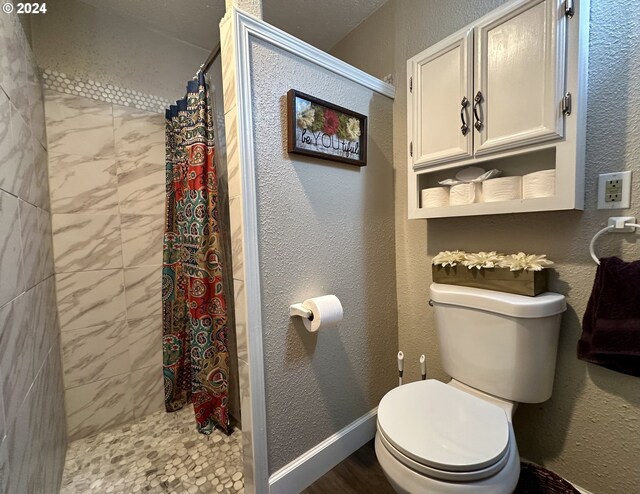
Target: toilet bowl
434 438
457 438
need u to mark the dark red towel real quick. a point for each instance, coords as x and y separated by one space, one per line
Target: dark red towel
611 323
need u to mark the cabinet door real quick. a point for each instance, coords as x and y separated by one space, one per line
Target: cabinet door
441 90
519 76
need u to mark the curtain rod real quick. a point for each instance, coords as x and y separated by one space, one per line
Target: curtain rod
212 56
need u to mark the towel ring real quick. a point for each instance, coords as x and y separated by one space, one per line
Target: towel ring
618 224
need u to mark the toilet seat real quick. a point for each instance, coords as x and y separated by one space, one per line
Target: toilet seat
443 432
405 480
444 474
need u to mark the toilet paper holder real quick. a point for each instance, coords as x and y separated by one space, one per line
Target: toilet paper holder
300 311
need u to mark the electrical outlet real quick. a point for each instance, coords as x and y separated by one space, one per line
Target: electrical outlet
614 190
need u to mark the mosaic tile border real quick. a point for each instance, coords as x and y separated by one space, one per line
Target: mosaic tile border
108 93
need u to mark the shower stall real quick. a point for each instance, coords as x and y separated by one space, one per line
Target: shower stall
108 180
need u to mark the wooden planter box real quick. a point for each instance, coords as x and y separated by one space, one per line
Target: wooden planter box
529 283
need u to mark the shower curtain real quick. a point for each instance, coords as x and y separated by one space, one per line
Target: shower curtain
195 351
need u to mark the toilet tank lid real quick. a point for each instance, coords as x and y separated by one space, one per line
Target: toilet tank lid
543 305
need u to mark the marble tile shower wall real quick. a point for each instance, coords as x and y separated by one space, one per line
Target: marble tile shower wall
107 179
233 183
32 418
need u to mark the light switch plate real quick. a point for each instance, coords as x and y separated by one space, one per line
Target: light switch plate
614 190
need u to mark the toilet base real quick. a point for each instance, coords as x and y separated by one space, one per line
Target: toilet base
406 481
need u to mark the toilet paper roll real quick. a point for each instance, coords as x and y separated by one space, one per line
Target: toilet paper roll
539 184
465 194
502 189
327 311
435 197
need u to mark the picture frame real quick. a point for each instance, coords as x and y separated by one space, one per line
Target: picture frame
323 130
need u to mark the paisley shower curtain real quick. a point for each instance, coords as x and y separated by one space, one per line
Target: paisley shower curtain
195 351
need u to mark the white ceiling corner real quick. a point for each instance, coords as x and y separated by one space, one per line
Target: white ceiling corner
193 21
321 23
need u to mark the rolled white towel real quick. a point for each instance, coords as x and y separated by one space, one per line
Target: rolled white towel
539 184
502 189
465 194
435 197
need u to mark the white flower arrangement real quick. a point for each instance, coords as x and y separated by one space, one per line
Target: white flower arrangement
449 258
527 262
479 260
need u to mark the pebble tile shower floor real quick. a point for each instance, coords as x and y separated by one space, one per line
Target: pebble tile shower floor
161 453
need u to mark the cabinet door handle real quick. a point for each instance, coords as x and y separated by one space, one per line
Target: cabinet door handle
463 104
476 102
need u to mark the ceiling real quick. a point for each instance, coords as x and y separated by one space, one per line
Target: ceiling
321 23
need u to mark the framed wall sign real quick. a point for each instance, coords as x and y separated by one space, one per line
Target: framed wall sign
324 130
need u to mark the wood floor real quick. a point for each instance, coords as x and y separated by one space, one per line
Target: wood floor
358 474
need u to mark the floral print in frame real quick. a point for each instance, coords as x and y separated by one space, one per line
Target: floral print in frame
324 130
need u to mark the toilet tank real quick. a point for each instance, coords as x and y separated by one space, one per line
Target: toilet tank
499 343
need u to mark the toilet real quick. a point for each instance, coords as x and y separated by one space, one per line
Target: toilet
500 350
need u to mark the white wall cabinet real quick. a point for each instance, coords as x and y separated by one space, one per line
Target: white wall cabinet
519 76
507 92
443 82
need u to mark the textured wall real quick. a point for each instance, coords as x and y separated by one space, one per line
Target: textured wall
324 228
83 41
107 177
32 425
371 46
588 432
253 7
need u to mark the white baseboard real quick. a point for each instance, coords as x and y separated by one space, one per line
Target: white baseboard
309 467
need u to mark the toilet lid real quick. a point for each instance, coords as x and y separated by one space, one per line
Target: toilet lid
437 425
